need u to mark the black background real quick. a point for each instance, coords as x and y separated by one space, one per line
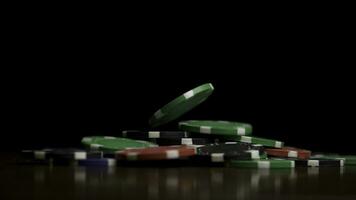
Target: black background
301 108
66 81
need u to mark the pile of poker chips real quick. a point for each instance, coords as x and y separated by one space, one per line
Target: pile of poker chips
196 143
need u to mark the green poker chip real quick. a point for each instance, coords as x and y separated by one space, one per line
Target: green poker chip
263 164
216 127
181 105
114 143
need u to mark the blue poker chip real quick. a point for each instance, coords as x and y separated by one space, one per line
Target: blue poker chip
107 162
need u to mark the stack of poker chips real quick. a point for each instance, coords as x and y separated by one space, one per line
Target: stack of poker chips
194 143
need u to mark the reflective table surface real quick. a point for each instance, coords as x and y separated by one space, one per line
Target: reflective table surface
70 182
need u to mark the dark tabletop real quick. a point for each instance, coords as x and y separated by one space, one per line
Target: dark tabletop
65 183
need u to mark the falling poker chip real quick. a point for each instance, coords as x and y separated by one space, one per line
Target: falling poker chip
181 105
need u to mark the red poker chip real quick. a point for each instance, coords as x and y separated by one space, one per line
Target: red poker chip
289 152
157 153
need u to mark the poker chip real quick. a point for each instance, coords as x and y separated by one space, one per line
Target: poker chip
263 164
61 153
289 152
157 153
114 143
181 105
216 127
